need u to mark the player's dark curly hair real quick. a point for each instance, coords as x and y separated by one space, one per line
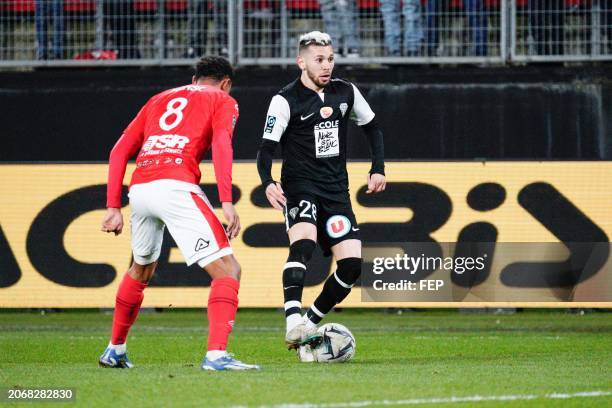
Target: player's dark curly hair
214 67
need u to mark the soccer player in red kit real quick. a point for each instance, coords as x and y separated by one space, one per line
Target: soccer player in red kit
171 133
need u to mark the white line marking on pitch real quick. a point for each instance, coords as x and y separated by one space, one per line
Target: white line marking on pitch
443 400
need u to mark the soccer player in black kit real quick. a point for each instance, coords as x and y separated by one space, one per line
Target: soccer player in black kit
309 118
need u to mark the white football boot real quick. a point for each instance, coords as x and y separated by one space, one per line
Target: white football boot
302 334
305 354
227 362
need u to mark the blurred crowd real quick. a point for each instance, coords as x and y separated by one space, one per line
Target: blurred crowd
408 28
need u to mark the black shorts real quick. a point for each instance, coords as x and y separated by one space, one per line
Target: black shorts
334 218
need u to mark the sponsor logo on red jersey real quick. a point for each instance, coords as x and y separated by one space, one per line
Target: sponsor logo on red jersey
159 144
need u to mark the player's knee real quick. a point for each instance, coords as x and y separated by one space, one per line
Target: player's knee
142 273
294 274
236 271
226 266
146 256
301 251
231 268
349 270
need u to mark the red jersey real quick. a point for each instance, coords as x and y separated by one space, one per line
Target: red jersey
171 133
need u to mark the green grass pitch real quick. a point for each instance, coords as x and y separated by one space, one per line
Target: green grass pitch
427 357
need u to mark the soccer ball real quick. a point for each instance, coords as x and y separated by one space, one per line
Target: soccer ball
338 345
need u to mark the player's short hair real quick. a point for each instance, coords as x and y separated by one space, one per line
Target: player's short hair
214 67
313 38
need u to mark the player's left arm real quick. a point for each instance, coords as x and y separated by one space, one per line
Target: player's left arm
365 118
224 122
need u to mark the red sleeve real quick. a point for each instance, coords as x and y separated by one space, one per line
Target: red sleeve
127 146
224 121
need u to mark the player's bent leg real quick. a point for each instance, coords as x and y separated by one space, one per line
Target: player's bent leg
127 305
222 307
338 286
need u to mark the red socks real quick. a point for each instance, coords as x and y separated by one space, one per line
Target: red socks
127 304
222 307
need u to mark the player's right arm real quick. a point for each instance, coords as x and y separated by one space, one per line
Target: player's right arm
277 121
127 146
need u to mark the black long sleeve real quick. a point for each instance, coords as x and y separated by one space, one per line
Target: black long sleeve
377 146
264 161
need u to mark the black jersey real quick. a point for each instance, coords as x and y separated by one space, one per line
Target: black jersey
312 130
